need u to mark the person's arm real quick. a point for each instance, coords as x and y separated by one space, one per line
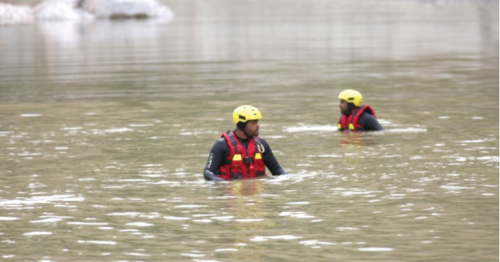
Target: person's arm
370 123
270 161
215 160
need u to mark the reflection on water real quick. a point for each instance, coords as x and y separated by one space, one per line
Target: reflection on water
106 125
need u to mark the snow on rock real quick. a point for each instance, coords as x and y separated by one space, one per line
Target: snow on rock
11 14
83 10
126 8
60 10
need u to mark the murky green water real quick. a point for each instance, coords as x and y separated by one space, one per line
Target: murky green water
105 128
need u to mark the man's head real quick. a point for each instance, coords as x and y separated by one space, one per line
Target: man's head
246 118
349 99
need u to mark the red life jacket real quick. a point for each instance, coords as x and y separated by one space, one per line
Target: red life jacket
349 123
242 163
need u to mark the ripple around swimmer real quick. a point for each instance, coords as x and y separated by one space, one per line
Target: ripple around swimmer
407 130
329 128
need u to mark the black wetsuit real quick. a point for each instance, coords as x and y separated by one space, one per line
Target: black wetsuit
220 152
369 122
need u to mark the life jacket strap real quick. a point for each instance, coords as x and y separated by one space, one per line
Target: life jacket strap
233 141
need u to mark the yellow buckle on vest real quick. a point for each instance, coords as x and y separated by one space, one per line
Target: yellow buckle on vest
339 126
351 126
258 156
237 157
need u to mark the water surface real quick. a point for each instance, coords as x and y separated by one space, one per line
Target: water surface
106 126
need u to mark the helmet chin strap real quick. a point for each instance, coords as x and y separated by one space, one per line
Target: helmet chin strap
241 126
350 107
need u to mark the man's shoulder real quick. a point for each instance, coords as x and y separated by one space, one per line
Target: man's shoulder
221 142
366 119
262 140
220 146
369 122
367 114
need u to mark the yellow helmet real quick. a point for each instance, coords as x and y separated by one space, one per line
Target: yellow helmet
352 96
246 113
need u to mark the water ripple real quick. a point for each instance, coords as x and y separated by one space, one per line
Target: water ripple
37 233
8 218
375 249
281 237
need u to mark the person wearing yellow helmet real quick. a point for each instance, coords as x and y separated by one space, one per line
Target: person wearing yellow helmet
356 116
242 153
